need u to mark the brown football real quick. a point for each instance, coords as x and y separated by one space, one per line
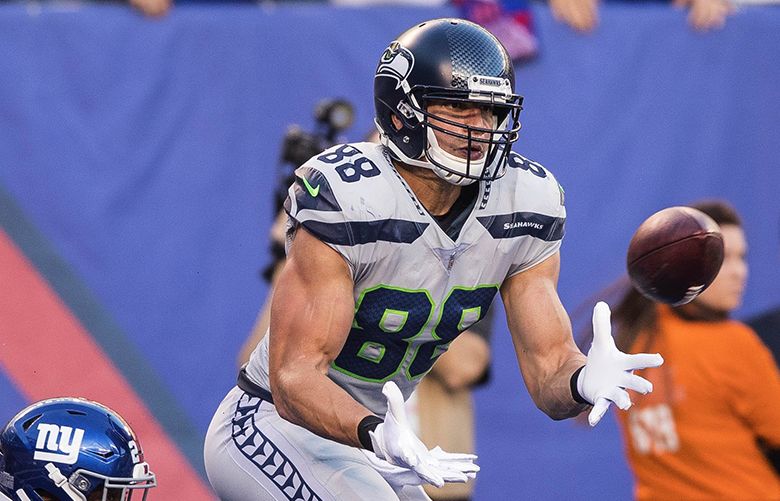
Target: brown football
674 255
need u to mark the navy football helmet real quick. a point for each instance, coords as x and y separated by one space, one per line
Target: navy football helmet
450 61
71 449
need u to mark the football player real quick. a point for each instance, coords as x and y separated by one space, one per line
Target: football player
393 250
71 449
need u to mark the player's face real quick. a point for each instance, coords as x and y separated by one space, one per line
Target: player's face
725 293
468 114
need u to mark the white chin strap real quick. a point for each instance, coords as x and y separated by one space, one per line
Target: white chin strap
452 162
61 481
437 154
445 158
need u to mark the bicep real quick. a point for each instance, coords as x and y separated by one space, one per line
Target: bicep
312 307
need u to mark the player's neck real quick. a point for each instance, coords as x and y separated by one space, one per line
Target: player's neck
436 194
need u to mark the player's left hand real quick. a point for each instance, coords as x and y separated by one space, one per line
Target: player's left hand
609 372
395 442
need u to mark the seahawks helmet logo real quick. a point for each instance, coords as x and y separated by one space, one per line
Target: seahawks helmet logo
396 62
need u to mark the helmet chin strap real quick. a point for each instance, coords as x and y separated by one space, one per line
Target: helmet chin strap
442 173
437 155
61 481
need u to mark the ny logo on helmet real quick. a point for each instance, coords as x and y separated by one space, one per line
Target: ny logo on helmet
56 444
396 62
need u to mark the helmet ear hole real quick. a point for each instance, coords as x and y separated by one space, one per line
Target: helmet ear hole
397 123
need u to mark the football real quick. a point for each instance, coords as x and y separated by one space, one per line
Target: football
674 255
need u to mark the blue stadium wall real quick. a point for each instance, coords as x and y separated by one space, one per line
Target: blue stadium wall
138 158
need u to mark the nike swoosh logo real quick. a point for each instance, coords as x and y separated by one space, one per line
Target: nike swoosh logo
313 190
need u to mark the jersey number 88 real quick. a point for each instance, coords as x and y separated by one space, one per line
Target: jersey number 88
389 319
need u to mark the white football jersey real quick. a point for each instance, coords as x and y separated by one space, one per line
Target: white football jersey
415 288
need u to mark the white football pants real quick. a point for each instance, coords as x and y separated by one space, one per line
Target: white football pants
252 454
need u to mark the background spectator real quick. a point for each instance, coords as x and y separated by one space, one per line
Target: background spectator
583 15
716 400
153 7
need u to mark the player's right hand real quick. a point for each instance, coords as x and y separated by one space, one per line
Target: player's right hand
394 475
395 442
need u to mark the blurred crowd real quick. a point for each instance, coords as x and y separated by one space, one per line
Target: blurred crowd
512 21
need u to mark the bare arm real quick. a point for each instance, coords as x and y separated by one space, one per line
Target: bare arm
311 315
542 336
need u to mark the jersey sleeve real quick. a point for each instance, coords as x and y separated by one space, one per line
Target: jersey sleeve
325 200
545 221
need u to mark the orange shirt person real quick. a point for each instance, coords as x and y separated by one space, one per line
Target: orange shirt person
715 409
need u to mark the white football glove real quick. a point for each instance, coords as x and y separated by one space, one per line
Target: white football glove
395 442
609 372
396 476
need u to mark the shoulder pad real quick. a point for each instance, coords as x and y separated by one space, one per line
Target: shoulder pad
343 189
518 161
336 178
530 202
535 171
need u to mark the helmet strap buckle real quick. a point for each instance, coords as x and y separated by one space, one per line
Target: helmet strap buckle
405 110
61 481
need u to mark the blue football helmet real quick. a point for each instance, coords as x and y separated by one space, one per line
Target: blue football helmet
452 62
71 449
